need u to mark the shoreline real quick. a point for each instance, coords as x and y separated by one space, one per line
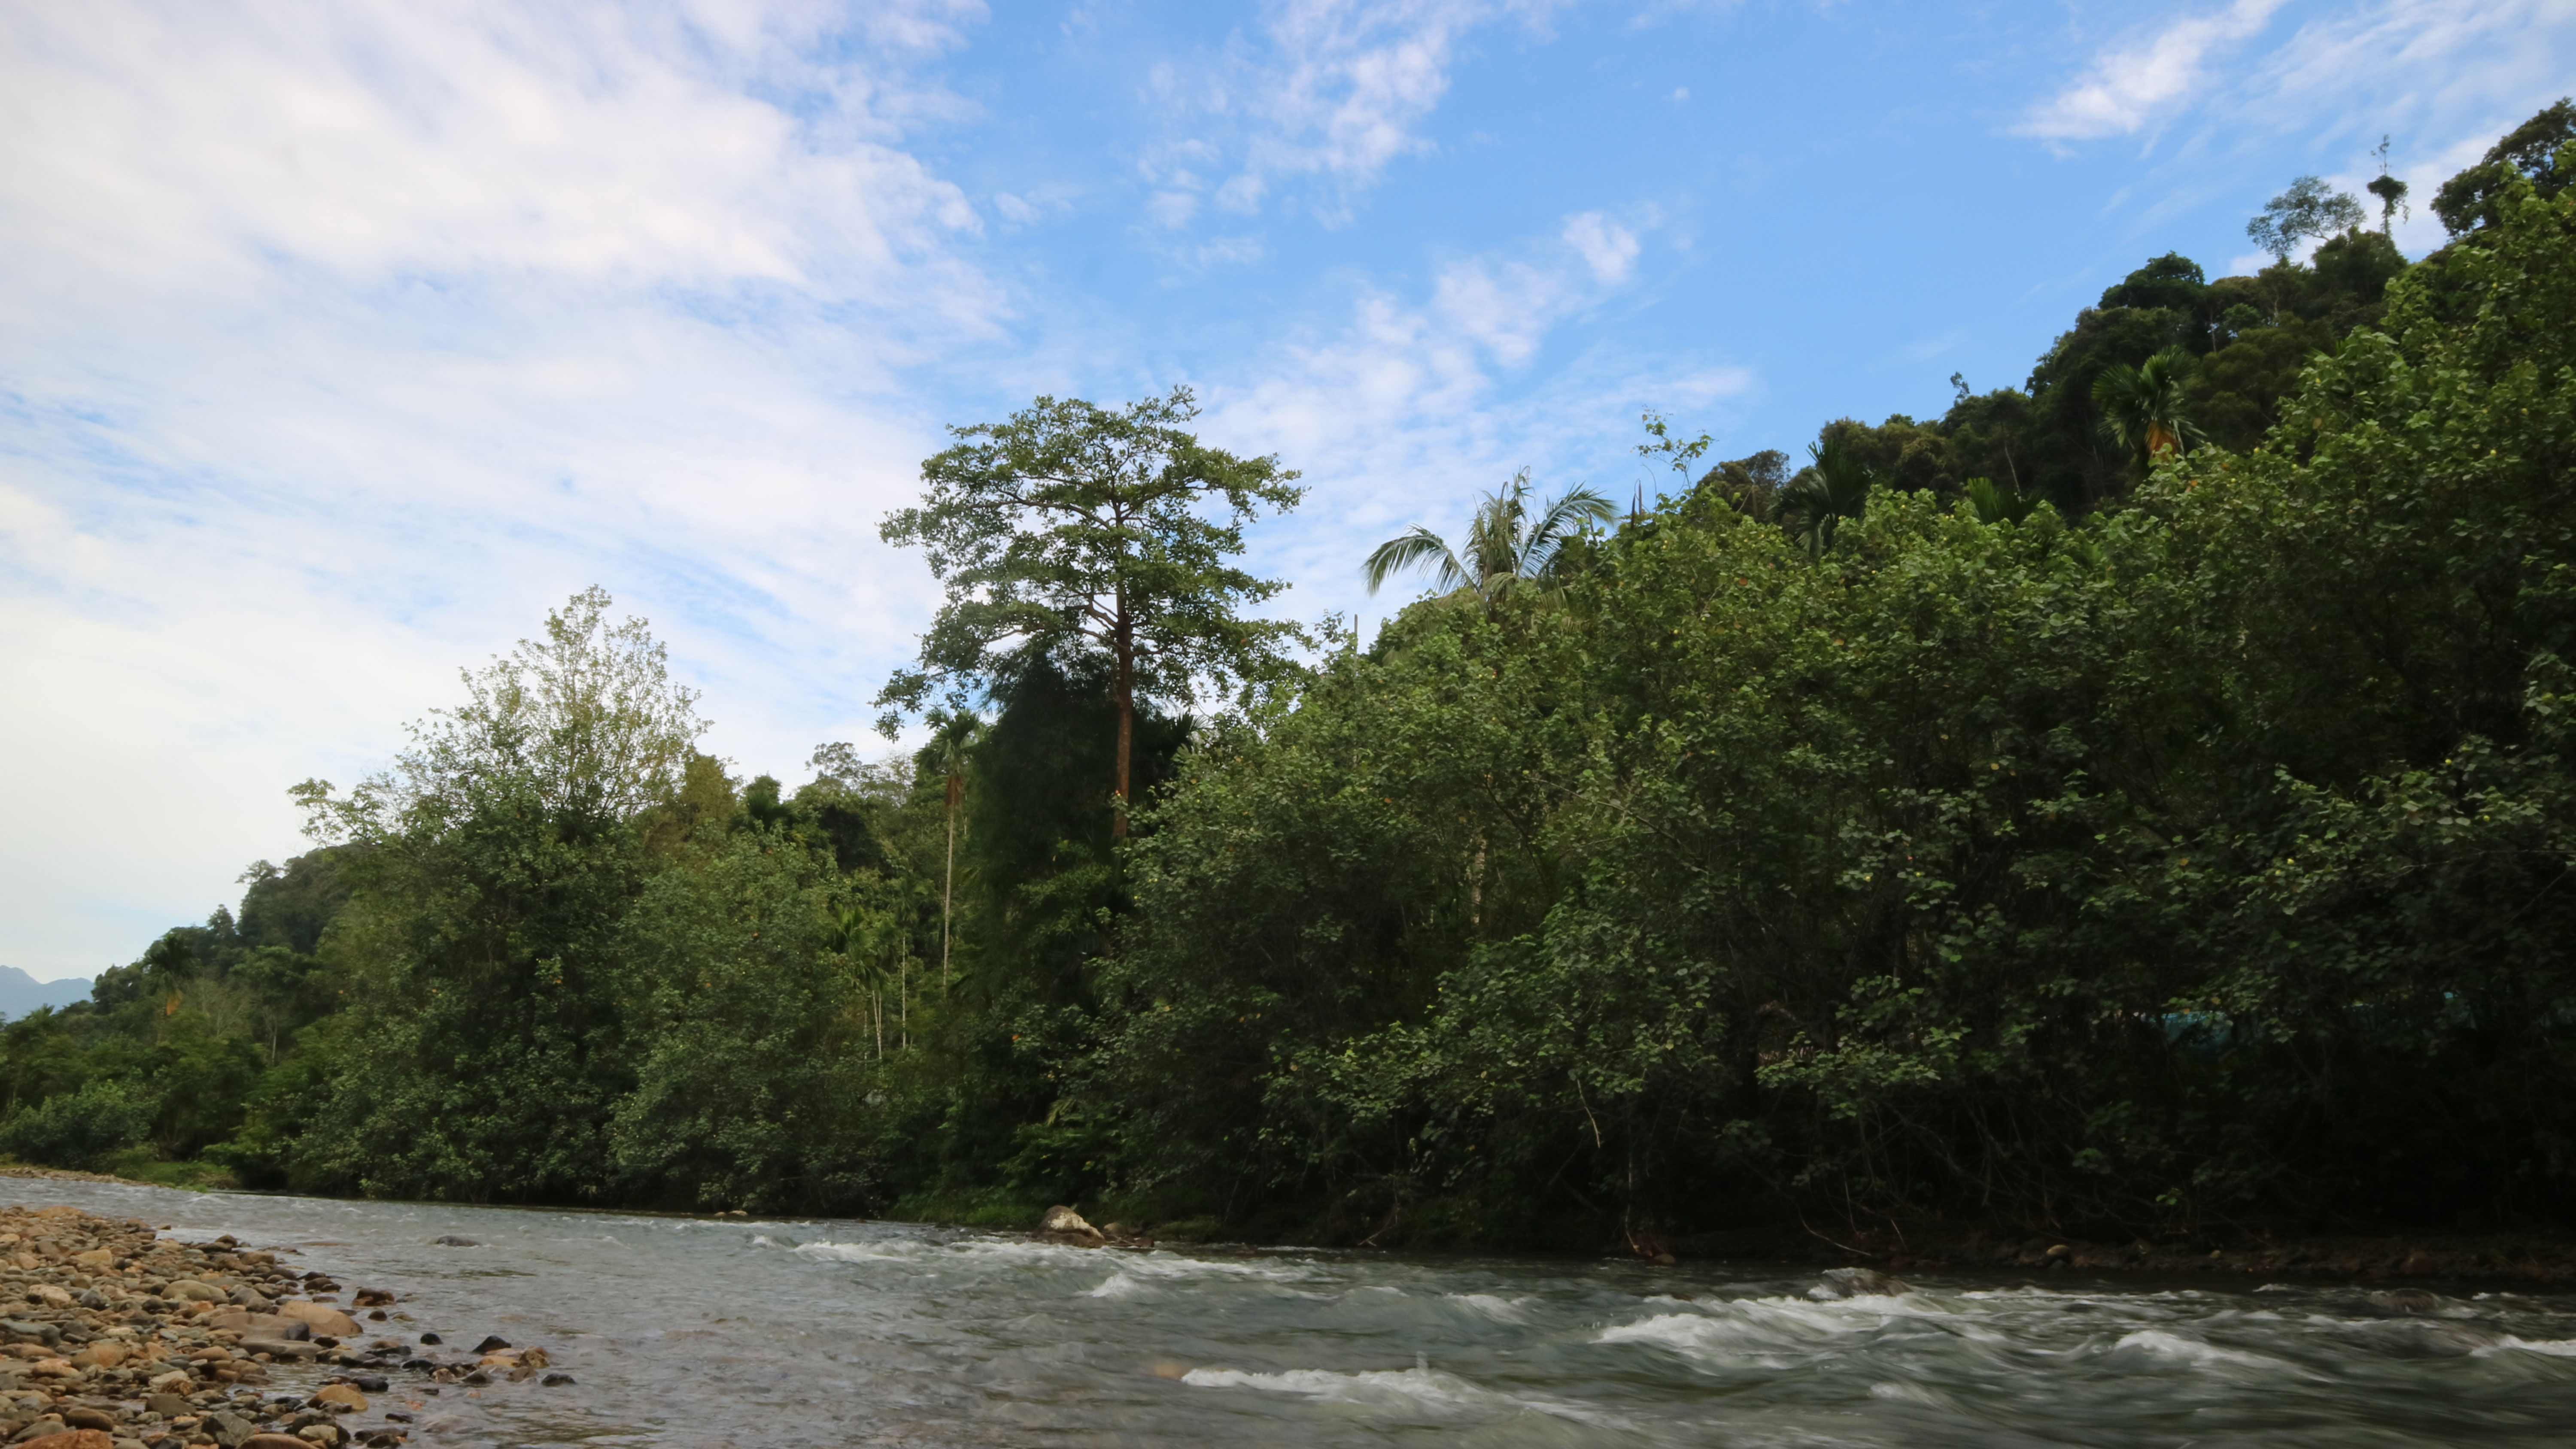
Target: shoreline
115 1337
2536 1258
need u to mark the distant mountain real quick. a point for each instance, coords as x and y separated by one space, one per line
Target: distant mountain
21 993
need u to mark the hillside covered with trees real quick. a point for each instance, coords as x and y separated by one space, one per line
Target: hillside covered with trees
2138 799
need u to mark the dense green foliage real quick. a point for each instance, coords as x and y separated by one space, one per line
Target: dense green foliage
2037 814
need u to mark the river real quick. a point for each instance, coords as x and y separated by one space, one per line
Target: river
685 1331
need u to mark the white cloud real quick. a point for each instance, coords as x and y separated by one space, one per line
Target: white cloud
2441 78
1607 247
1329 91
345 339
1233 251
1412 407
2139 77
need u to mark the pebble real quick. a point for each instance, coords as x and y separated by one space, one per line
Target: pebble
112 1337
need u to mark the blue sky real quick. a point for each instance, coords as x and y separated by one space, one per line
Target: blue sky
342 340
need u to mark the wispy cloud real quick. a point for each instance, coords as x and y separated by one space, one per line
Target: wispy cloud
1415 404
1608 248
2139 77
337 334
1329 93
2441 78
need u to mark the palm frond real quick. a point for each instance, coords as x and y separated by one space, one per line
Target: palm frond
1494 540
1993 502
1418 547
1835 486
2145 408
1576 507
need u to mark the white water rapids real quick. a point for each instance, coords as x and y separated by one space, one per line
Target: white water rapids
686 1331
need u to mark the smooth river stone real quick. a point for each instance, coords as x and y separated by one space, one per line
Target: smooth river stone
342 1394
323 1318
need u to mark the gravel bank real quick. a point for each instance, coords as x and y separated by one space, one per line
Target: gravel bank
112 1337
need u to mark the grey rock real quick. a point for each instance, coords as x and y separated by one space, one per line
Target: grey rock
1064 1220
1858 1283
2402 1302
28 1328
229 1429
451 1240
294 1330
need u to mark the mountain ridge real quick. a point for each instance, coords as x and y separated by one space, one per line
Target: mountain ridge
21 993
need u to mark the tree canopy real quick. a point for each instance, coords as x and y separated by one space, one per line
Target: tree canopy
2013 816
1071 528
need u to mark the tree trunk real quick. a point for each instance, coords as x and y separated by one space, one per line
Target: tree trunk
1126 737
948 885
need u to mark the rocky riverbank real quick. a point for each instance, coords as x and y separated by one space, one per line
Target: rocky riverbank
112 1337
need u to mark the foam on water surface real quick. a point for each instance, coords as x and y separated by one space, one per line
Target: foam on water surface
788 1334
1421 1391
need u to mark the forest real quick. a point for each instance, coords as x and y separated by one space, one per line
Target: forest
2137 800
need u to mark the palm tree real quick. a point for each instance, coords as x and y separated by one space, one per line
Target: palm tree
2143 406
1836 487
1504 548
1994 502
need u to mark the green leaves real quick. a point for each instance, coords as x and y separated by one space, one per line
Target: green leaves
2214 857
1506 547
1072 525
2145 407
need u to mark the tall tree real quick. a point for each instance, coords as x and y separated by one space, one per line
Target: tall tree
2308 209
2528 152
1076 528
1505 546
491 989
953 734
2389 189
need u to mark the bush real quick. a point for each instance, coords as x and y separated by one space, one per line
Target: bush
80 1129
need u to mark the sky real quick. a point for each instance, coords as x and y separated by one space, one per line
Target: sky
341 341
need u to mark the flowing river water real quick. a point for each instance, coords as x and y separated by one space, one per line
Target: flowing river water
682 1331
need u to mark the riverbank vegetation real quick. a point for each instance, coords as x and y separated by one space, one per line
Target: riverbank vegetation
2136 801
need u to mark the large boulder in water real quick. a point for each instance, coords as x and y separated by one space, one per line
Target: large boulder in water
1858 1283
320 1317
1063 1225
